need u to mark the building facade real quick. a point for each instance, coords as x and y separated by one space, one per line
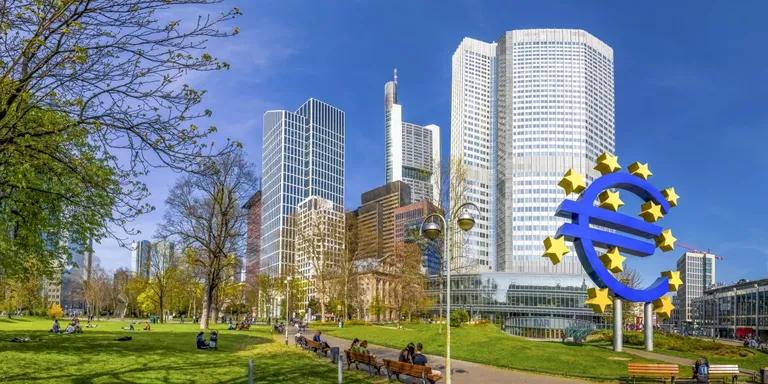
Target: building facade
555 111
520 304
697 270
302 156
253 238
471 161
412 152
376 243
733 311
407 221
524 110
140 258
319 246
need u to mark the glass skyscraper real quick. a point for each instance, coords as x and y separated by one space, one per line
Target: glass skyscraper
302 156
472 104
524 110
555 111
412 152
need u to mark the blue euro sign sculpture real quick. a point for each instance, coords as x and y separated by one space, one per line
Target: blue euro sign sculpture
583 214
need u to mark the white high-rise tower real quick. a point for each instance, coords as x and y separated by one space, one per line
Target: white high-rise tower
555 111
412 152
472 102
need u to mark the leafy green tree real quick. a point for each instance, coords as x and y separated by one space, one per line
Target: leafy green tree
92 97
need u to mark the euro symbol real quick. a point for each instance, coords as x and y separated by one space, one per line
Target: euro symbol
584 214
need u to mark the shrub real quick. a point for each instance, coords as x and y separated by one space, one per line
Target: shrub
458 317
55 311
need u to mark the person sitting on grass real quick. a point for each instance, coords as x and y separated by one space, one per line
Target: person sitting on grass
56 327
214 338
147 327
70 329
200 341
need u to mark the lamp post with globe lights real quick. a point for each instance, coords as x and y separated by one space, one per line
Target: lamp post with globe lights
432 231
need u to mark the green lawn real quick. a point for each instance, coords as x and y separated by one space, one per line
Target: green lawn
693 348
167 354
486 344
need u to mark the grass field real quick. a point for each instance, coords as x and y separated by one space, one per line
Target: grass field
486 344
693 348
167 354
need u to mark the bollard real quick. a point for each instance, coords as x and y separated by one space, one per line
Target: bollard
341 379
250 371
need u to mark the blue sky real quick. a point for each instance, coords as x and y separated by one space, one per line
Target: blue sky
691 96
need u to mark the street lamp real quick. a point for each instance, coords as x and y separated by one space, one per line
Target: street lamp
432 231
287 314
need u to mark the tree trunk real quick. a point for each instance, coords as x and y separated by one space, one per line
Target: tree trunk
322 311
207 302
162 312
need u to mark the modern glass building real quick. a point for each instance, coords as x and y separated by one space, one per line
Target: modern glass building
472 106
140 257
408 221
539 306
733 311
525 109
697 270
302 156
555 111
412 152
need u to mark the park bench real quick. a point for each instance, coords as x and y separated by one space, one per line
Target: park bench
361 358
318 347
420 372
653 370
724 372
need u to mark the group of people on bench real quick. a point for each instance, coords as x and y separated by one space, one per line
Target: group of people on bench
413 354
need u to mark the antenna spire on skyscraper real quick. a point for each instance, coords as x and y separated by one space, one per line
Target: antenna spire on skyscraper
395 75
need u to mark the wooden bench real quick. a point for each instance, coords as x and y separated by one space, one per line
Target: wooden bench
317 347
417 371
724 372
653 370
361 358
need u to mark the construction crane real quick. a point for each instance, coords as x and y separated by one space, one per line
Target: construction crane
695 249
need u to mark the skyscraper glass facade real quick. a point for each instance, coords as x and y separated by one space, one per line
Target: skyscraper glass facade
472 103
412 151
302 156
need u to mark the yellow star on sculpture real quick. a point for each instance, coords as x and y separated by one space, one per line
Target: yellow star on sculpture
663 307
613 260
674 279
665 241
640 170
671 196
610 200
607 163
572 182
598 299
555 248
651 211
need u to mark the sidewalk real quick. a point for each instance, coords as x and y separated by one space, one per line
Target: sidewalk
464 372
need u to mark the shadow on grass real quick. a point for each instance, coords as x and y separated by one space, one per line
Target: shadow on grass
14 320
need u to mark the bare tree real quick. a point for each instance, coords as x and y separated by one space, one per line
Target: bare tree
163 272
204 213
346 278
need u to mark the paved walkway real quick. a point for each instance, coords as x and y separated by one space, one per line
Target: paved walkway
464 372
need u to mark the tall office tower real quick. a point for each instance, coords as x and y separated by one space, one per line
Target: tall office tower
319 245
302 156
163 256
412 152
253 238
408 221
140 257
472 104
554 111
697 270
